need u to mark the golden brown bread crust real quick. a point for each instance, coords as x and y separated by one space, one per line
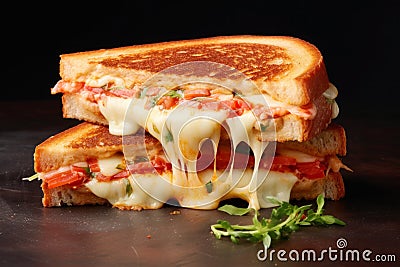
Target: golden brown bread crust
75 106
89 140
85 141
68 196
332 186
289 69
294 128
331 141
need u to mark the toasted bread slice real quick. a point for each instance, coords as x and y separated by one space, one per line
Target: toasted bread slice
87 140
331 141
289 69
289 127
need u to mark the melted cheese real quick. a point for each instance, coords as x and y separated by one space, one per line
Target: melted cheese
181 131
151 191
105 81
331 93
299 156
112 165
115 110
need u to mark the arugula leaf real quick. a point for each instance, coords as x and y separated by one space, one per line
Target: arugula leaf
284 220
232 210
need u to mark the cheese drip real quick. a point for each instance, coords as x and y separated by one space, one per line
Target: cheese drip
181 131
276 184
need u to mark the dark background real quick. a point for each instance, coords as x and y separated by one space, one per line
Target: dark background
357 40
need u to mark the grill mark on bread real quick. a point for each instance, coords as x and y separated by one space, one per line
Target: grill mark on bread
95 137
257 61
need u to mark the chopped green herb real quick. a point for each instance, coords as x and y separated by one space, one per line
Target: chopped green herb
284 220
175 93
141 159
329 101
87 170
168 137
267 125
143 92
121 166
156 129
263 127
209 187
128 189
152 102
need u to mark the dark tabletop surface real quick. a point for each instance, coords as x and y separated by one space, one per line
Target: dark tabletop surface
31 235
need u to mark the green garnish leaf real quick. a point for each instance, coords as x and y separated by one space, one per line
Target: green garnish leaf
232 210
284 220
168 137
156 129
128 189
140 159
143 92
329 101
174 93
121 166
87 170
209 187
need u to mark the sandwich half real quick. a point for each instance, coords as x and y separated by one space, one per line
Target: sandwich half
86 165
288 73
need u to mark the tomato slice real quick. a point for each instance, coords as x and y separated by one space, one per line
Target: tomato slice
168 102
283 160
63 178
122 174
93 165
311 170
192 93
161 165
236 105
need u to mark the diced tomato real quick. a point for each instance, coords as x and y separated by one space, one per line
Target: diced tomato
168 102
192 93
280 164
78 169
63 178
103 178
311 170
240 160
93 165
236 105
122 174
161 165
